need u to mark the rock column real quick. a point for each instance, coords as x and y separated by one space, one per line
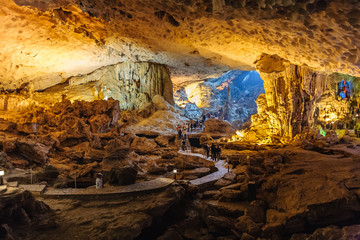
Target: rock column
290 91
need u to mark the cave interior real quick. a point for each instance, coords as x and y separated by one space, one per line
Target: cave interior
186 119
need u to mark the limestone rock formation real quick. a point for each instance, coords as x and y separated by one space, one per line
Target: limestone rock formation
292 94
20 211
121 217
195 38
217 126
133 84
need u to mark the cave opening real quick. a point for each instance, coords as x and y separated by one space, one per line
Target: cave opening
230 97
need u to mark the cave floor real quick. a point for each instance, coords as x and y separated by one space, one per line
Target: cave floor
320 188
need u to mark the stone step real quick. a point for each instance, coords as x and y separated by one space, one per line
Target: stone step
39 188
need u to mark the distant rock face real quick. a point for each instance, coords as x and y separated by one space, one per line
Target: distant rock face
211 95
217 126
133 84
292 94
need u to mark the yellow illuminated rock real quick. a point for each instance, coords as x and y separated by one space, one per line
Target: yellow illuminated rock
45 42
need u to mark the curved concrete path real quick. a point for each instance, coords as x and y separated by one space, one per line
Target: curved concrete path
157 183
222 170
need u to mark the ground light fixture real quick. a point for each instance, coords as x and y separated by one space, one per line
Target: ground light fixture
2 173
175 172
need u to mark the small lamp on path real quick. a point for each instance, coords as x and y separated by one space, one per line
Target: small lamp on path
2 173
175 172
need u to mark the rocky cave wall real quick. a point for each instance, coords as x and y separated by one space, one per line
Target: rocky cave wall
133 84
45 42
292 93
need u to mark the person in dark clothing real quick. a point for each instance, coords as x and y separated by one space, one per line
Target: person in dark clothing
218 153
183 145
206 150
180 133
213 151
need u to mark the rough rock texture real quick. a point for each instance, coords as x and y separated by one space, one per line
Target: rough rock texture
292 93
217 126
132 84
20 211
45 42
122 176
121 217
211 95
79 138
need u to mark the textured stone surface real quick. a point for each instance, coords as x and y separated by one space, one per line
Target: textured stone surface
45 42
112 216
217 126
292 93
21 213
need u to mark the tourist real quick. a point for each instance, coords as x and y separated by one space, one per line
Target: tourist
183 145
98 181
213 155
218 152
180 132
206 150
184 133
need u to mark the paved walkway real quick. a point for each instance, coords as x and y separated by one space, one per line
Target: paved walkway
222 170
157 183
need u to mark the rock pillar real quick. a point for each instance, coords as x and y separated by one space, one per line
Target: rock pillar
290 91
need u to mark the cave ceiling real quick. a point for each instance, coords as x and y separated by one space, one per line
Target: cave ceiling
45 42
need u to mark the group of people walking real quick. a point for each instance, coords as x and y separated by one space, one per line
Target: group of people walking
212 151
188 127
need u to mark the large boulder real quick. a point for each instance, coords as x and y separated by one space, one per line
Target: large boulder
4 162
122 176
246 224
100 123
31 149
20 210
73 128
142 145
7 126
28 127
117 149
217 126
233 195
162 140
256 210
161 103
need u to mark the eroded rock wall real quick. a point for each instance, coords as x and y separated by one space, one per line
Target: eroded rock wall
45 42
292 93
133 84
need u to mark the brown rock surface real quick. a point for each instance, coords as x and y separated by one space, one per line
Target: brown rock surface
142 145
21 213
217 126
195 38
118 217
